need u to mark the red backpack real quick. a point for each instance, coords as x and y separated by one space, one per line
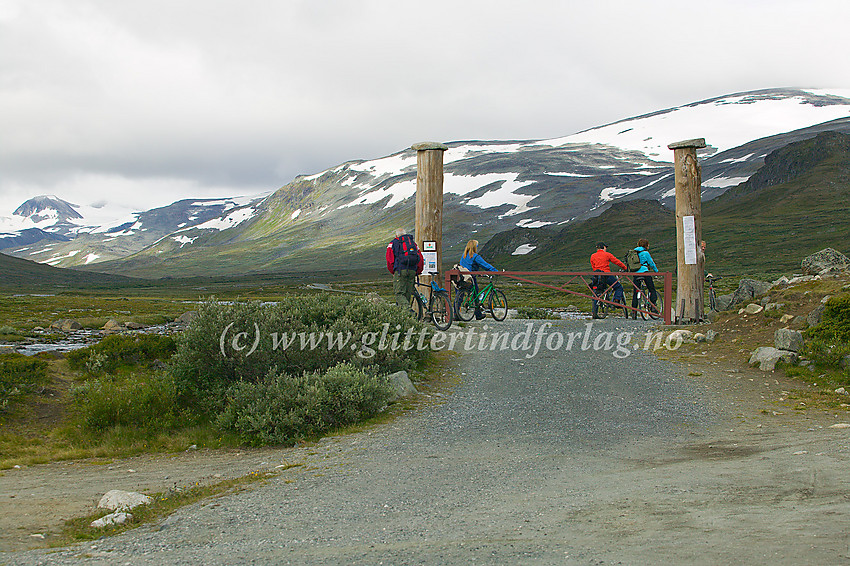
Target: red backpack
409 258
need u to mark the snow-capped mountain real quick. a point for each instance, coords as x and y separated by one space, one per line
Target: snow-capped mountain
63 238
345 214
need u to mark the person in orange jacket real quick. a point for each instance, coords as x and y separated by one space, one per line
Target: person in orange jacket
601 261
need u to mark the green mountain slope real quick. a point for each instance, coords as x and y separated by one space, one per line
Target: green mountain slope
22 274
796 204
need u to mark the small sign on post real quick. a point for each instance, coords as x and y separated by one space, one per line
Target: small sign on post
429 253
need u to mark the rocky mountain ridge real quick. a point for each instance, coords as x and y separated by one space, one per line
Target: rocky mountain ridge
343 216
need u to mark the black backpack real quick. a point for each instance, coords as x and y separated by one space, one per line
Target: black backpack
633 260
409 258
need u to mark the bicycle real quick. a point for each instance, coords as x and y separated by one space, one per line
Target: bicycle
644 304
603 308
469 301
712 294
438 307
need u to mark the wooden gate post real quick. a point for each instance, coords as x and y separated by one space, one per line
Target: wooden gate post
429 198
689 303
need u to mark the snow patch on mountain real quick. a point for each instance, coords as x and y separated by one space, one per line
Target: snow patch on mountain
724 123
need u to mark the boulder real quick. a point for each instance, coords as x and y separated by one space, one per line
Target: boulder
711 336
117 518
113 325
826 259
786 318
401 384
724 302
787 339
753 308
65 325
749 289
186 318
814 317
773 306
767 356
117 500
680 336
134 325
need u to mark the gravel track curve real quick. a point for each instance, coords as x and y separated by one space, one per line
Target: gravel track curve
564 457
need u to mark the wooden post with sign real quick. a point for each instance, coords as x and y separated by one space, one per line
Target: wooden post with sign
429 200
689 304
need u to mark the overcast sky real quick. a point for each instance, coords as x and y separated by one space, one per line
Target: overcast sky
144 102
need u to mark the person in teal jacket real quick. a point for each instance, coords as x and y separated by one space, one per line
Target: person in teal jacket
646 263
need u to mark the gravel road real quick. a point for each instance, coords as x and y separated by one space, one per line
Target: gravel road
564 457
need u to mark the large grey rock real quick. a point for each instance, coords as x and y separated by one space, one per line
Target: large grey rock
814 317
767 356
117 500
401 384
65 325
749 289
826 259
113 325
787 339
724 302
117 518
186 317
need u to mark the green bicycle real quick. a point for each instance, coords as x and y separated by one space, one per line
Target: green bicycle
470 301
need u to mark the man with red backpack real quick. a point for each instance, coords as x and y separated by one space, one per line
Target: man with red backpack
405 262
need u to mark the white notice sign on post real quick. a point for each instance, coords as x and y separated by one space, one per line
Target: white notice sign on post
689 235
430 266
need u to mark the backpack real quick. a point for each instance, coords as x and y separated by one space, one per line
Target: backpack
409 258
633 260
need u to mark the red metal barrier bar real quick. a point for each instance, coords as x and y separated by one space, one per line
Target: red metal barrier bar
668 284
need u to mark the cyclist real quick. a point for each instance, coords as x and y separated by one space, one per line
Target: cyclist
473 261
601 261
646 262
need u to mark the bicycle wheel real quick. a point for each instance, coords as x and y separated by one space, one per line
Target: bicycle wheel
643 304
655 311
498 305
465 305
441 310
605 308
416 310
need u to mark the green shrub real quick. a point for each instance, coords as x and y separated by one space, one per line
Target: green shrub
828 342
145 402
282 409
204 372
120 350
835 322
19 374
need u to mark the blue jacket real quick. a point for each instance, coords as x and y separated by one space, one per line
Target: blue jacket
645 260
476 263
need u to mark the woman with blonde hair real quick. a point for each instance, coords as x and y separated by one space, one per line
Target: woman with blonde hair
472 261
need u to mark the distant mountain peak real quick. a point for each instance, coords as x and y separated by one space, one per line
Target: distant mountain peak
44 206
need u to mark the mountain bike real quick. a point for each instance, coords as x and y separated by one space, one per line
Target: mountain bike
438 307
712 294
603 309
644 304
470 301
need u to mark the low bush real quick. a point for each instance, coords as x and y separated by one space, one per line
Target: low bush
282 409
119 350
146 402
244 341
19 374
835 321
829 342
